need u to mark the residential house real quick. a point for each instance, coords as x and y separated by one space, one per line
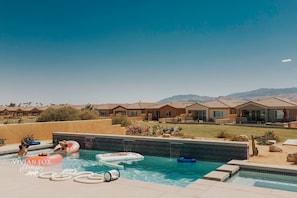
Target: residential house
138 109
17 112
130 110
10 112
166 110
213 110
267 110
107 110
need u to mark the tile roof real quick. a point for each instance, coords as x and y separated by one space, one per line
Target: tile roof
108 106
178 105
276 102
140 105
11 108
220 103
137 105
273 102
26 108
232 103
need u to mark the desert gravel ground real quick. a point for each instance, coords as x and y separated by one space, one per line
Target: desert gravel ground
277 158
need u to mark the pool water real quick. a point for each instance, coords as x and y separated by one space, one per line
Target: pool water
265 180
152 169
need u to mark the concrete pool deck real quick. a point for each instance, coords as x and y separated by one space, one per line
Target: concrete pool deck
14 148
15 184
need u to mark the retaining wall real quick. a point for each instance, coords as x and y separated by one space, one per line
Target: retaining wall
13 133
219 151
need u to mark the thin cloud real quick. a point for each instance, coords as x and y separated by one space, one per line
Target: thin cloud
286 60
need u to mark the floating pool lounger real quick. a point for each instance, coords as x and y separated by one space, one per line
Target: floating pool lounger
120 157
110 164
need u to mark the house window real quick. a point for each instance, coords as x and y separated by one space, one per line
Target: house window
168 114
218 114
133 113
102 113
278 114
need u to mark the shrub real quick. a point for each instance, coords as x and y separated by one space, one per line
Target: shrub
268 135
87 115
122 120
137 130
2 141
179 134
47 115
223 134
240 138
66 113
155 130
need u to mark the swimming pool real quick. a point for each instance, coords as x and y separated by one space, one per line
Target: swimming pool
266 179
152 169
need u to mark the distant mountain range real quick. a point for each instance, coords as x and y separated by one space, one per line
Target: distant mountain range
289 93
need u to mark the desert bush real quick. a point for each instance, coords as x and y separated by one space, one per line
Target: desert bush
2 141
223 134
240 138
122 120
268 135
66 113
235 138
137 130
179 134
87 115
47 115
155 130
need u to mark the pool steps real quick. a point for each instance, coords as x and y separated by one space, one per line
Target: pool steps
233 166
222 173
264 167
217 176
231 169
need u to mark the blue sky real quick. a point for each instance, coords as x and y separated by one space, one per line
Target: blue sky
95 51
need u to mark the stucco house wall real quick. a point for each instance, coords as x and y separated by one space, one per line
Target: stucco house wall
173 112
226 113
209 112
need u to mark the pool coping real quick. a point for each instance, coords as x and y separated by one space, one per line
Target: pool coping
265 167
231 169
171 139
14 148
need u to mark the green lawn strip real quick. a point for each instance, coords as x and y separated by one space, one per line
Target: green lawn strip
211 131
